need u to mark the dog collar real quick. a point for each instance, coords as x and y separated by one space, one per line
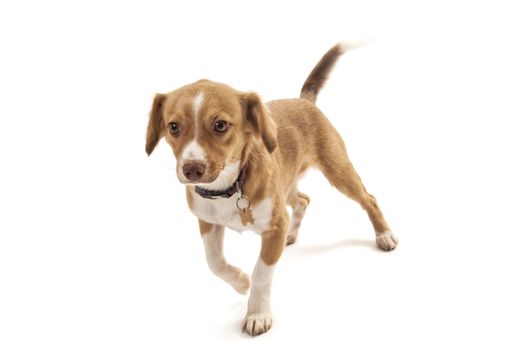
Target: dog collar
227 193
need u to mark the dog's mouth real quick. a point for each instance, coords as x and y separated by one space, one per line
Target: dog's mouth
198 174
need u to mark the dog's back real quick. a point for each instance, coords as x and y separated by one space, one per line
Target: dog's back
305 135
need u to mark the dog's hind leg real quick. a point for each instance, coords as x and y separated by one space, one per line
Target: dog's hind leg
299 202
335 165
213 237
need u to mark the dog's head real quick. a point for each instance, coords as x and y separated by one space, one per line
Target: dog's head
209 126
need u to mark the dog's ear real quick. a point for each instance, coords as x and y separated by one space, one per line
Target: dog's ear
156 128
259 118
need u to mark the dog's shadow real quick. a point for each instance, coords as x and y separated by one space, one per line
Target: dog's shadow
309 249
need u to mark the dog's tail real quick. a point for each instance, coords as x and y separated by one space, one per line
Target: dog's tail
321 71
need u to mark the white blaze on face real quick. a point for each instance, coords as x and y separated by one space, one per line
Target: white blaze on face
197 103
194 151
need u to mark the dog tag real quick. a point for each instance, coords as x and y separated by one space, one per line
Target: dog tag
246 216
243 203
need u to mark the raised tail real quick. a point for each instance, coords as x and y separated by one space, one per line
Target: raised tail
321 71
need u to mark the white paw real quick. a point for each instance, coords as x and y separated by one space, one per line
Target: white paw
241 283
257 324
387 241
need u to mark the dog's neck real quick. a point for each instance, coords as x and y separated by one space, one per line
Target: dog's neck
226 193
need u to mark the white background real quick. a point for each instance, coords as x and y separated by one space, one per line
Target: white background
98 249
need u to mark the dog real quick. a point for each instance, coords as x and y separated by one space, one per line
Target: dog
240 160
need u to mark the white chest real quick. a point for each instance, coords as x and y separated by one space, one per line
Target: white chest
223 211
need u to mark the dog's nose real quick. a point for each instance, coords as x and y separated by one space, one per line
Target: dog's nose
193 170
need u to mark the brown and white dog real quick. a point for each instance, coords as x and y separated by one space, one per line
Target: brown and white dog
240 160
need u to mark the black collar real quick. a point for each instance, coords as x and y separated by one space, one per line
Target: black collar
227 193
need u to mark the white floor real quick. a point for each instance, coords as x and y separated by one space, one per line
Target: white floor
98 249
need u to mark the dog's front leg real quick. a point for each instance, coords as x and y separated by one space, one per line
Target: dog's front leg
259 316
213 238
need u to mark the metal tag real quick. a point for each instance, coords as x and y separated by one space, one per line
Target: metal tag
243 203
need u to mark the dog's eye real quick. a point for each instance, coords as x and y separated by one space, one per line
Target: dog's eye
220 126
174 128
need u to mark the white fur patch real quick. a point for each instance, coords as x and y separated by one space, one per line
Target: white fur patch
297 217
223 211
226 178
193 151
259 316
386 241
261 288
213 245
197 103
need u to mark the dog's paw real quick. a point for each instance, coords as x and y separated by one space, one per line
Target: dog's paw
291 238
257 324
387 241
242 283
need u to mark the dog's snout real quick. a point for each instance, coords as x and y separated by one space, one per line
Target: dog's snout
193 171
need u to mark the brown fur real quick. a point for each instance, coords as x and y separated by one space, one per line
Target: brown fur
273 240
275 159
324 150
205 227
320 73
156 127
262 123
275 143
